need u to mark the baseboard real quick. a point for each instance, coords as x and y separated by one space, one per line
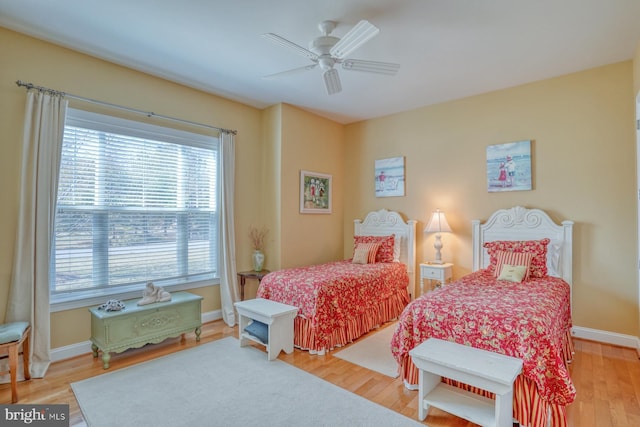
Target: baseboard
84 347
606 337
211 316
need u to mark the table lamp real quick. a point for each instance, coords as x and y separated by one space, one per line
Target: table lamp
437 224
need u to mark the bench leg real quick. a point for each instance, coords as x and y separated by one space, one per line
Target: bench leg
94 350
13 371
243 322
26 349
275 340
280 336
504 409
106 357
426 383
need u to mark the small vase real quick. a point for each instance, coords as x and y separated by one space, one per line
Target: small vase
258 260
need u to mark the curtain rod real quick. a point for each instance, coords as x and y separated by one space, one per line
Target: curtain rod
120 107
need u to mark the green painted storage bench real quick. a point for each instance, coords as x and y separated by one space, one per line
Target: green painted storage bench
135 326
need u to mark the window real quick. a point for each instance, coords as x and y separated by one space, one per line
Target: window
136 203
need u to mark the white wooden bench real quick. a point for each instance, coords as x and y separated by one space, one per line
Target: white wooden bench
276 316
489 371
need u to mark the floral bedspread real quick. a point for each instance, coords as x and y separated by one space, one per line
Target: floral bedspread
526 320
331 294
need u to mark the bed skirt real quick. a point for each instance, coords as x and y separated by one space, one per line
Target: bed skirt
306 338
528 407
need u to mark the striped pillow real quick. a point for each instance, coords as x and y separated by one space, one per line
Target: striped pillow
365 253
513 259
385 253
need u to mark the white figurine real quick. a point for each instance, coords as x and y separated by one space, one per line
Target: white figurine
153 293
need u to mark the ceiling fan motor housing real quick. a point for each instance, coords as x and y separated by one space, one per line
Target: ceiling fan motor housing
322 45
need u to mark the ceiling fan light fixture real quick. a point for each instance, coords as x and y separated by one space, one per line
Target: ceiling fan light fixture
326 62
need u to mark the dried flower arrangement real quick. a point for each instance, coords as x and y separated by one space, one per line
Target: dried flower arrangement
257 237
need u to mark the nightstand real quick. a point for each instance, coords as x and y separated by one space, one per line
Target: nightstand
442 273
244 275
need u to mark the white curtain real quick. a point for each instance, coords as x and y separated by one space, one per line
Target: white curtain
228 276
29 290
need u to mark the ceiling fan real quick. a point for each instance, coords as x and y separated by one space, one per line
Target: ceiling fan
326 51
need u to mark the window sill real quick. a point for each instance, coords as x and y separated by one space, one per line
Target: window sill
60 303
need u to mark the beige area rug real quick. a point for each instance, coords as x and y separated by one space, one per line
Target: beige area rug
222 384
373 351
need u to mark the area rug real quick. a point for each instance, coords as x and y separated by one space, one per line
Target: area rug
373 351
222 384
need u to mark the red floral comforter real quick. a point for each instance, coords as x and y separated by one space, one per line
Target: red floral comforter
332 296
528 320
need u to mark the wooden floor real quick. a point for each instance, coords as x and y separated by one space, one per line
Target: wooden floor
606 377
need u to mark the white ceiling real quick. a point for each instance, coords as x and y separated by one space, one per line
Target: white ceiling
448 49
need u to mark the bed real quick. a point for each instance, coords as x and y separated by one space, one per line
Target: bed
528 319
343 300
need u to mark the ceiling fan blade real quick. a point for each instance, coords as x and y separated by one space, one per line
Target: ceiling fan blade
388 68
292 71
356 37
290 45
332 81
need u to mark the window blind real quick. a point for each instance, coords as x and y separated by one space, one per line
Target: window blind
136 203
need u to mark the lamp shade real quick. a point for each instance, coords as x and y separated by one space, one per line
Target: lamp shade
438 223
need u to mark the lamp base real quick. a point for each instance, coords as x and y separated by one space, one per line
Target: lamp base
437 262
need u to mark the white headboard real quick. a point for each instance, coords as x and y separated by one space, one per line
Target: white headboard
384 223
520 223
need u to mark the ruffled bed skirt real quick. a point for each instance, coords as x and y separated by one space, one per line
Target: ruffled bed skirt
528 406
307 338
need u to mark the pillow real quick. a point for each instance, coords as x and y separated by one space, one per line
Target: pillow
385 252
259 330
360 255
397 247
536 247
504 259
554 253
365 253
513 273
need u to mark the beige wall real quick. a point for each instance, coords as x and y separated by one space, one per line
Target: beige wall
314 144
582 128
27 59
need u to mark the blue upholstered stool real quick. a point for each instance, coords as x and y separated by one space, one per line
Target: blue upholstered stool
12 335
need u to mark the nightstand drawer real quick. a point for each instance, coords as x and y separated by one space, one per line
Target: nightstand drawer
431 273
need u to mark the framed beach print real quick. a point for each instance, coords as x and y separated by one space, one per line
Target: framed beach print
315 192
509 166
389 177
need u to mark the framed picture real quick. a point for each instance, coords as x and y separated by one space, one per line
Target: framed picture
389 177
509 166
315 192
